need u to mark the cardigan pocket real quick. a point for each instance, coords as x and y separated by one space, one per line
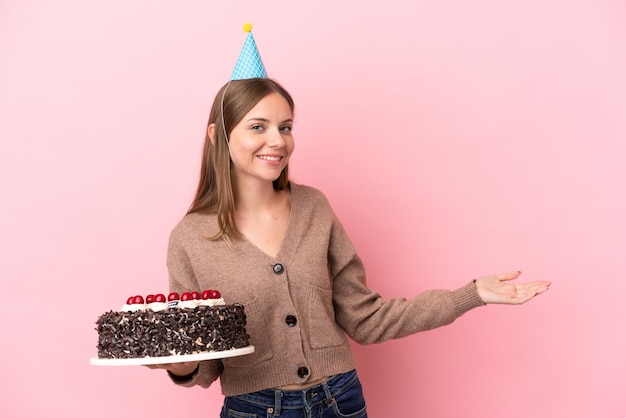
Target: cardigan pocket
324 331
257 329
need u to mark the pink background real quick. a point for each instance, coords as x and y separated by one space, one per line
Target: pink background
453 138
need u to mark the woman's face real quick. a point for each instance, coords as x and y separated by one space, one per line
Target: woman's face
262 142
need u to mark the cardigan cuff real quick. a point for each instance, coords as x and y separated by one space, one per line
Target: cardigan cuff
183 379
467 298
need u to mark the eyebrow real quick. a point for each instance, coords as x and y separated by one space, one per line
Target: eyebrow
267 120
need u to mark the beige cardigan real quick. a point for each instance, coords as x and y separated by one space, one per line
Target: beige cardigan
318 278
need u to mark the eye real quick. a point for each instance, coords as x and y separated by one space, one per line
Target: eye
286 129
257 127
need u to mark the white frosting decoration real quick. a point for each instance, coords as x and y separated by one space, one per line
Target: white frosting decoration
134 307
190 304
212 302
158 306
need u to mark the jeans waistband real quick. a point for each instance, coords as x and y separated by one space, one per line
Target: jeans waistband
288 399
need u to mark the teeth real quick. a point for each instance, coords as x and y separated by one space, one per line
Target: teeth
269 158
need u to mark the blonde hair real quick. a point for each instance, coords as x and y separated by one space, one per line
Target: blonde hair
215 193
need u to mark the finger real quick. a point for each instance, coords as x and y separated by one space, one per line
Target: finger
537 283
158 366
510 275
528 291
541 287
537 287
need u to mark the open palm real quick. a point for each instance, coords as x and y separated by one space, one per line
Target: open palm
497 288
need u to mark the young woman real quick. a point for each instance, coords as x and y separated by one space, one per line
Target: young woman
277 248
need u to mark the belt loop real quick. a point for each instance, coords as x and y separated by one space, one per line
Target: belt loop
278 401
329 397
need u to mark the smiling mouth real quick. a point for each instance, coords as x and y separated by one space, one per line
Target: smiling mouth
269 158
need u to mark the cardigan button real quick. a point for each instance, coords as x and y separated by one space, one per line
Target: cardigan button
303 372
291 320
278 268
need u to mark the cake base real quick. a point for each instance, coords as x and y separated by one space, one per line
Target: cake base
146 361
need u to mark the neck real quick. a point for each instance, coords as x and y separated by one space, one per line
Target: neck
255 197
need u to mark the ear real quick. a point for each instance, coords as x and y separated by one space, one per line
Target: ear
211 132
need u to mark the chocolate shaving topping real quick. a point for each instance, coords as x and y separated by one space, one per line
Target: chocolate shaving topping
172 331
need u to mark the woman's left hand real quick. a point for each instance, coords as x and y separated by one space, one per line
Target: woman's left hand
497 289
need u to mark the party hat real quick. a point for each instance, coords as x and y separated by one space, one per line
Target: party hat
249 63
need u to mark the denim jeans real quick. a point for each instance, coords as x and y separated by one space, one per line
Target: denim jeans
340 396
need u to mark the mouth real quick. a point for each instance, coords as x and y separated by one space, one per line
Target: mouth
274 158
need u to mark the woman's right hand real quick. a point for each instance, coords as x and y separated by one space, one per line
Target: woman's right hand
178 369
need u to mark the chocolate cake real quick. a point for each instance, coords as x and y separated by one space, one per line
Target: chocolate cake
185 326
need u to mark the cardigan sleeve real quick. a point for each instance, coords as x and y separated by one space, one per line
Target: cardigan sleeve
368 318
182 279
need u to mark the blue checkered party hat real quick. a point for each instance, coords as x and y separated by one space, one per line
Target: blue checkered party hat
249 64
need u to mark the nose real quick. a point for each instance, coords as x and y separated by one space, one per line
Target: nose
275 139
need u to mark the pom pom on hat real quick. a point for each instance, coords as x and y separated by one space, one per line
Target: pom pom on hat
249 64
